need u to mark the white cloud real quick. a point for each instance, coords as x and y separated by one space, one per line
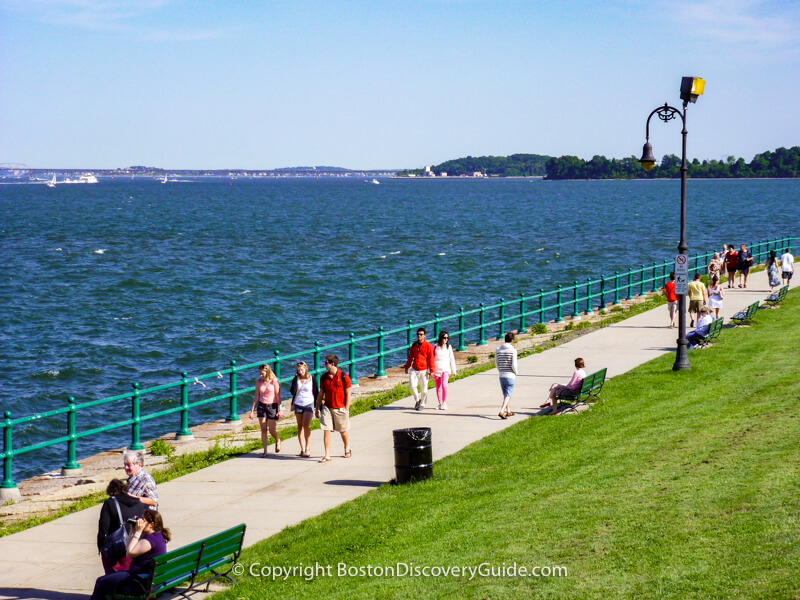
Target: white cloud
759 23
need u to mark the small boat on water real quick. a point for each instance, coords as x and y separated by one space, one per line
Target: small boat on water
88 178
374 181
52 182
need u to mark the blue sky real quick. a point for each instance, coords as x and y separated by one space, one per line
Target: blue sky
385 84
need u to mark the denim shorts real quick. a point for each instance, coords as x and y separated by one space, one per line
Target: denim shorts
507 385
299 410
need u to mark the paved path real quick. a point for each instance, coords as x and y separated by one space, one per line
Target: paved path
59 559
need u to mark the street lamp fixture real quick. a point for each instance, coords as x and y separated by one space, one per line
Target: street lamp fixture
691 88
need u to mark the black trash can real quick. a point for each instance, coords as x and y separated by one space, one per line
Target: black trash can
413 454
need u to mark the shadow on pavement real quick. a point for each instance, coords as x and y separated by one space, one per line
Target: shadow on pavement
34 594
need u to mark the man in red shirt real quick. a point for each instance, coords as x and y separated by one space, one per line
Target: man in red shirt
421 363
672 299
333 405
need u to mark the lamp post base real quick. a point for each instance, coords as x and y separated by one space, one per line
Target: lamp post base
682 357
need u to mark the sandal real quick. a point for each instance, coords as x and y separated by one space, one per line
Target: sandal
510 414
502 415
348 454
325 459
278 446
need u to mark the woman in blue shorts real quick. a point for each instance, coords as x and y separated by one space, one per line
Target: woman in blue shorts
304 391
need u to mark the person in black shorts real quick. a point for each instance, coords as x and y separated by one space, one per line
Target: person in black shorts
745 260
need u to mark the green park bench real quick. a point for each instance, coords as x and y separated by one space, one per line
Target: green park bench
743 317
590 388
714 329
217 555
775 299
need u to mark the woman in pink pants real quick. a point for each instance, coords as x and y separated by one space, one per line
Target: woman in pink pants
444 366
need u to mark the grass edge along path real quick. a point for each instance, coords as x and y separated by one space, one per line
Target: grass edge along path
679 485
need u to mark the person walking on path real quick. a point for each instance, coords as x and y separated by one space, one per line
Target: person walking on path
304 390
419 364
444 364
148 540
572 389
116 511
714 266
715 296
697 297
745 261
333 406
505 359
731 264
268 407
787 266
672 299
771 267
140 483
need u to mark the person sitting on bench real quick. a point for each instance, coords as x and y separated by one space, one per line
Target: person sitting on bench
701 331
572 389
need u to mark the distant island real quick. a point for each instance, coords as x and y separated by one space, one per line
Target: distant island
782 163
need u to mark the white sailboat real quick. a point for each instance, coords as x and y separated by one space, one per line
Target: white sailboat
52 182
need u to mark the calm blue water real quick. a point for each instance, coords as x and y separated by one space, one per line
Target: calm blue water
124 281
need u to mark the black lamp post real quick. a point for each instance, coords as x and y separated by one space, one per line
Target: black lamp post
691 88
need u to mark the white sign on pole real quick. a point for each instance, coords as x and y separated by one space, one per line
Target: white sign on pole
681 274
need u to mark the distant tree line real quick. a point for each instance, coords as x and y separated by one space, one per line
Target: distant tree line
780 163
516 165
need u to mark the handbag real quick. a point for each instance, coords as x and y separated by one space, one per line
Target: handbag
115 546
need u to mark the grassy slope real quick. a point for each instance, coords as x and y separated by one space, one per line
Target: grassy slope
681 485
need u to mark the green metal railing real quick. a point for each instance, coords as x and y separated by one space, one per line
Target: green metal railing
492 319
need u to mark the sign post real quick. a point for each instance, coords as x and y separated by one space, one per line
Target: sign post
681 274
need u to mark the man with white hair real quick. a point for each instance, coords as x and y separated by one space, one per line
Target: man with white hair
140 483
701 331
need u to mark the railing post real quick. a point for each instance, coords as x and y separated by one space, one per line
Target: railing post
482 326
602 293
502 318
436 326
541 305
616 288
317 362
8 489
696 262
462 346
136 443
409 334
184 433
352 360
233 412
559 318
641 281
589 310
576 314
630 285
522 327
381 372
277 365
71 467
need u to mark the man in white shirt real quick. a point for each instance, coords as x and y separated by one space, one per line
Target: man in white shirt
787 266
701 330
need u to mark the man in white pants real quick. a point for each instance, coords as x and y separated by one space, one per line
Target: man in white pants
419 365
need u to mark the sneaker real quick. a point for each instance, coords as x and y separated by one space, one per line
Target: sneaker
443 406
417 405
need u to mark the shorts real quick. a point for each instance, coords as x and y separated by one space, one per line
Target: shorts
507 385
334 419
299 410
672 306
695 305
731 271
787 275
270 411
744 270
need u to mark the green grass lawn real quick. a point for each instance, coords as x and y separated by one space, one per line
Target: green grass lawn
680 485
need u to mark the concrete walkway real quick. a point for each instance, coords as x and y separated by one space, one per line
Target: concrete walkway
59 559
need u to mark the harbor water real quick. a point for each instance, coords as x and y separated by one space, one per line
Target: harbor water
136 280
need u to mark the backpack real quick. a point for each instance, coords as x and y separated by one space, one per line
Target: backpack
115 546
